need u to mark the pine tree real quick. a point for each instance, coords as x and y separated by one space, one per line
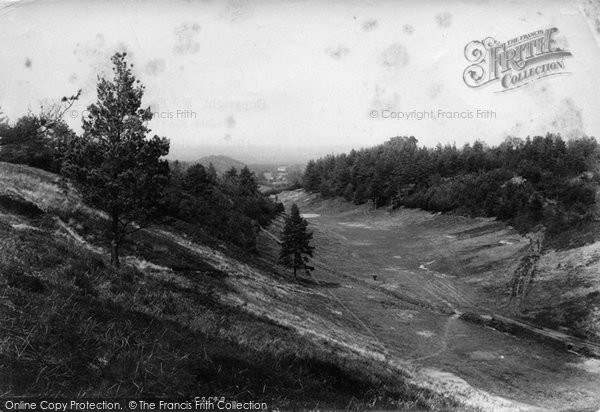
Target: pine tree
247 184
197 181
176 175
114 165
295 247
341 176
231 174
212 173
312 177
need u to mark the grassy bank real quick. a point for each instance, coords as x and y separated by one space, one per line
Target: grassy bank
73 326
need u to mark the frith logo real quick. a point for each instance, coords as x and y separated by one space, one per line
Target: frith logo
516 62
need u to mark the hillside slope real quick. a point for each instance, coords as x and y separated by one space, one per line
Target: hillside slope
566 291
184 317
415 279
179 319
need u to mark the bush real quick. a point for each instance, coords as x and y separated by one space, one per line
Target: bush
30 142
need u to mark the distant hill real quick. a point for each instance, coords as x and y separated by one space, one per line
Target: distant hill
259 154
221 163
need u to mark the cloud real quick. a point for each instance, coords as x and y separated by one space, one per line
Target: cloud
338 52
384 99
444 20
369 25
395 56
434 90
568 120
185 38
230 122
155 66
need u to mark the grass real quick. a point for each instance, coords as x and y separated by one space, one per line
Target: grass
77 328
45 190
71 326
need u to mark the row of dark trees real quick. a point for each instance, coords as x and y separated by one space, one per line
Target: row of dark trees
120 169
540 180
228 207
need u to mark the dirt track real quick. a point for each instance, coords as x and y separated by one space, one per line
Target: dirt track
406 276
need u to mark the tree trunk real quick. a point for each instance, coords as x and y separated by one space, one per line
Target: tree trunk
114 253
114 244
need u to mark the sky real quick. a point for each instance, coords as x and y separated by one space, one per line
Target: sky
286 80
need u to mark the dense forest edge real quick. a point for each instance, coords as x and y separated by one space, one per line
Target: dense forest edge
535 183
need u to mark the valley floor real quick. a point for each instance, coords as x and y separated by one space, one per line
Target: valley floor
404 277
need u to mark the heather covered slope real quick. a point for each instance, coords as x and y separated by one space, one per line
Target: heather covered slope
179 319
566 291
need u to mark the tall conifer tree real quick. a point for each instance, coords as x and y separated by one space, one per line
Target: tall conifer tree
116 167
295 248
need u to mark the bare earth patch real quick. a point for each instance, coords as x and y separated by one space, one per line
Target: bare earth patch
588 365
